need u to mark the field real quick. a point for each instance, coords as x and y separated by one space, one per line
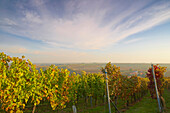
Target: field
148 105
145 105
126 68
26 87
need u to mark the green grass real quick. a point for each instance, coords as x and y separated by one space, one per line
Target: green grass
149 105
166 96
146 105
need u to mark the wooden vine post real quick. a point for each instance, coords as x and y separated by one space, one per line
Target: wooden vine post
160 110
107 91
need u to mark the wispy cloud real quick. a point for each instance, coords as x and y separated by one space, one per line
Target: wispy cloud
86 24
15 49
31 17
133 40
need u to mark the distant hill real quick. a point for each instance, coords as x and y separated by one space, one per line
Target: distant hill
126 68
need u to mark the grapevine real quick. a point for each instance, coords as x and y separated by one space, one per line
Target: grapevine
159 75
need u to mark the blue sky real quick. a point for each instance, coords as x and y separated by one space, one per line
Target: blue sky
76 31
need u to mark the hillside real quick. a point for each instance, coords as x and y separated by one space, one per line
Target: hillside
126 68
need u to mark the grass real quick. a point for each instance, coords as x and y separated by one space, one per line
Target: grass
146 105
81 107
149 105
166 96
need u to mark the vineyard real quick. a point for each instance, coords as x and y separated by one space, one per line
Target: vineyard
23 88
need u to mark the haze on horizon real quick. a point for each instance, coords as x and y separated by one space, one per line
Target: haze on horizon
84 31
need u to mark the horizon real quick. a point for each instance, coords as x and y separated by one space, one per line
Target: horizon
101 63
99 31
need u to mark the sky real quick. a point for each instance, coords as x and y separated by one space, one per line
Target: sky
86 31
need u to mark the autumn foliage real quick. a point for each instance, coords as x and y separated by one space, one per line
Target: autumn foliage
21 82
159 75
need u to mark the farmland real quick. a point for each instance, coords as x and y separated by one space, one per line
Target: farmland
126 68
25 88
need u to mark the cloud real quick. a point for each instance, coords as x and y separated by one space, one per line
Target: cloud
6 22
31 17
15 49
61 56
86 24
9 22
133 40
36 52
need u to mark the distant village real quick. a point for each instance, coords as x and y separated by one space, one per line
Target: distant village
138 73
